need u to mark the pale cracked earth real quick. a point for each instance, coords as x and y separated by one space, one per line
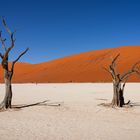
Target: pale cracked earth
78 118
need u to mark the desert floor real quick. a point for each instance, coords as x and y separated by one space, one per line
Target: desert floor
78 118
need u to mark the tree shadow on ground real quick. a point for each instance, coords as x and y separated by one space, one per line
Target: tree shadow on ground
135 104
129 104
43 103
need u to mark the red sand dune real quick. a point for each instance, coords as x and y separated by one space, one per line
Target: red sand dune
83 67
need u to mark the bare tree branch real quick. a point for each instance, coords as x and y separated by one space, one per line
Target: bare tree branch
133 70
118 77
13 63
6 27
135 65
2 41
11 37
108 71
115 59
126 74
12 45
112 72
137 72
113 68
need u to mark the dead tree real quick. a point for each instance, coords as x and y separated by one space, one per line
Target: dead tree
119 81
8 71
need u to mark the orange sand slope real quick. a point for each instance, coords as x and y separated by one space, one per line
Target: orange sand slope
83 67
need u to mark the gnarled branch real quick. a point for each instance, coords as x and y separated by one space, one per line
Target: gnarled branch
6 27
3 41
11 38
14 62
126 74
113 61
113 68
133 70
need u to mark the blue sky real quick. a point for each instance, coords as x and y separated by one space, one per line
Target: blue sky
57 28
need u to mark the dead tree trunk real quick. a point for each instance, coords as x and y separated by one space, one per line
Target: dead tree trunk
115 95
8 91
8 72
118 98
119 81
